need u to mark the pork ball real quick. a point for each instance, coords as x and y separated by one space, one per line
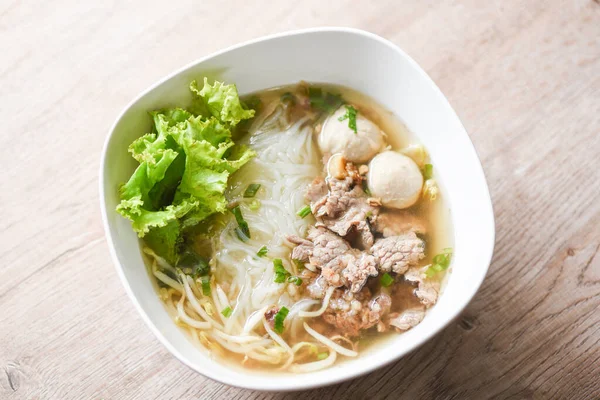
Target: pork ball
360 146
395 179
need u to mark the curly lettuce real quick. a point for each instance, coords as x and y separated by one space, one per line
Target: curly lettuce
222 101
183 168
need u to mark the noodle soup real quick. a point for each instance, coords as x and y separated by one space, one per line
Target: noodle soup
335 235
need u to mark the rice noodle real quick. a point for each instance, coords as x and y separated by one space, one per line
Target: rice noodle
330 343
321 310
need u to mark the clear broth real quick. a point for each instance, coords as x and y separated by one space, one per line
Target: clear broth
435 214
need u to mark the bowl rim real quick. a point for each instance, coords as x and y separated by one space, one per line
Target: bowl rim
300 384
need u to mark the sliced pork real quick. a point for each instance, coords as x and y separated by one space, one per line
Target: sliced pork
342 206
393 223
320 246
397 253
340 264
351 312
407 319
427 290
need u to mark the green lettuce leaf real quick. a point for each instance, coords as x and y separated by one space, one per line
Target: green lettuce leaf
210 130
143 220
174 116
148 174
222 101
184 167
166 241
206 171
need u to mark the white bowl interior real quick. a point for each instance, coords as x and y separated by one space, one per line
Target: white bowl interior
346 57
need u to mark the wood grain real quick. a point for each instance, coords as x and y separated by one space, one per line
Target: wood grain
523 76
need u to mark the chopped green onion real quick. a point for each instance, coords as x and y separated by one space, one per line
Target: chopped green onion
262 251
237 212
442 259
281 274
351 117
243 232
441 262
323 101
303 212
206 285
322 356
433 270
279 318
296 280
386 280
227 312
251 190
254 204
288 97
369 214
427 171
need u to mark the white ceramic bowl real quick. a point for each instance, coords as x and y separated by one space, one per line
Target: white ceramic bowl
348 57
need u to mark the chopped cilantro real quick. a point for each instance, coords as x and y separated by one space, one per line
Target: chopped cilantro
351 117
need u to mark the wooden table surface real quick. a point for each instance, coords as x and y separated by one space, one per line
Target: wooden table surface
524 76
